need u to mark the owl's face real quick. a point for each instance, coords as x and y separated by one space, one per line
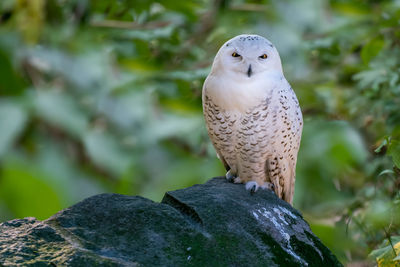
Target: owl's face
248 56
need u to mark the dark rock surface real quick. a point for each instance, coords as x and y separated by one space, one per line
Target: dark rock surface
213 224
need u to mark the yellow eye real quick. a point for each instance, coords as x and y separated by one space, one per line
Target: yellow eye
264 56
234 54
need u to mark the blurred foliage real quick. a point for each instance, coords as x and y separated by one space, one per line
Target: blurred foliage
386 256
105 96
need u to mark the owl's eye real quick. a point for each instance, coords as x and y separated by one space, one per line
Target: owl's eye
263 56
234 54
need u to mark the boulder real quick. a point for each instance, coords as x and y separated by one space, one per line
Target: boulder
213 224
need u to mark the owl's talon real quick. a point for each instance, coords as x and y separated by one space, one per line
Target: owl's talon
252 186
230 177
268 185
253 190
237 180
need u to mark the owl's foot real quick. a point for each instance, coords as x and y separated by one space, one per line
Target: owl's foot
268 185
253 186
232 178
229 176
237 180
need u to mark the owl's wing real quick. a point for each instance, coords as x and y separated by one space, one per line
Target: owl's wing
289 143
215 127
226 166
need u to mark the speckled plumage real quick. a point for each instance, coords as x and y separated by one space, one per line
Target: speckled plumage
252 115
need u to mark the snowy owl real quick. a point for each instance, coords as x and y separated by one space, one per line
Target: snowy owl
253 116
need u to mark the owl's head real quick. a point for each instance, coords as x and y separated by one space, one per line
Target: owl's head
248 56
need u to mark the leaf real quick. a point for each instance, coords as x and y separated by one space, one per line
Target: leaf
385 172
385 256
188 75
379 213
379 148
29 18
378 253
394 151
70 183
11 82
26 191
85 71
149 35
397 258
371 49
172 125
105 152
12 121
61 110
371 78
350 8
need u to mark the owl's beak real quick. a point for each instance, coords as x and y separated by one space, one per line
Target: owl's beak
249 71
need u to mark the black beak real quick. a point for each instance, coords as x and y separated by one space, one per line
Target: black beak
249 71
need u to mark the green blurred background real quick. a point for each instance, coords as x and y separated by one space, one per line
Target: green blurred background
105 96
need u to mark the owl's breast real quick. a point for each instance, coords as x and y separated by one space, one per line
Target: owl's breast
275 122
238 96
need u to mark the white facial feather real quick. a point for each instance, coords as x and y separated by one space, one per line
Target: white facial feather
237 88
250 49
